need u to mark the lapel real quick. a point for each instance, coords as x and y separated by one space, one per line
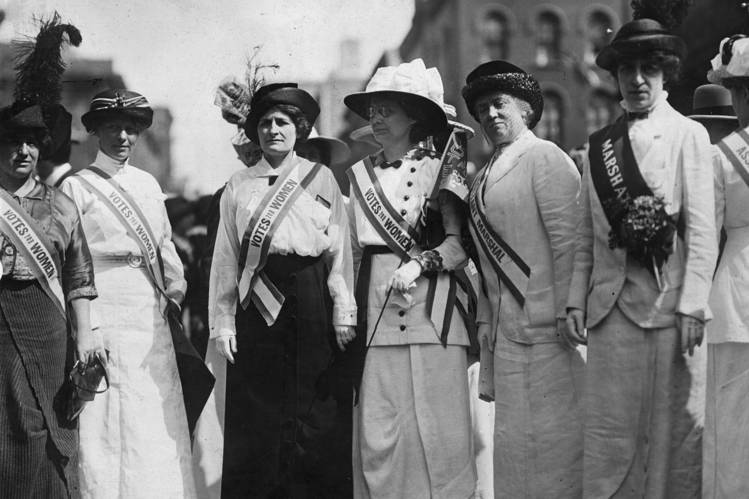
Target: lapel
510 157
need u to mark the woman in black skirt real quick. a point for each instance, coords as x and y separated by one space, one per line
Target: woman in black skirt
281 299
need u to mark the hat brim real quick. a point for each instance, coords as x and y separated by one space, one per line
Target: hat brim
339 151
608 58
721 117
434 120
143 116
461 127
291 96
520 85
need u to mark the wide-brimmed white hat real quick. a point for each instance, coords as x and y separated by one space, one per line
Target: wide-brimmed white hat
409 81
732 60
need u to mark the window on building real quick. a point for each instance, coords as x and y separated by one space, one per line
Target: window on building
599 29
494 36
548 38
549 126
601 111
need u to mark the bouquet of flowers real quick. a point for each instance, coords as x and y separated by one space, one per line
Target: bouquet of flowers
642 226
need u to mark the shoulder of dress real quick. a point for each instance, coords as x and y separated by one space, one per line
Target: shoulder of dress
63 203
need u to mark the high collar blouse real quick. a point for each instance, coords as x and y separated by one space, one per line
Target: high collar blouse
316 224
107 236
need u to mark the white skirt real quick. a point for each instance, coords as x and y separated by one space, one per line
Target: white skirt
134 440
412 426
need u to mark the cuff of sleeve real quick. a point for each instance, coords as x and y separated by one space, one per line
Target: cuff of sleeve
344 316
697 314
223 323
83 292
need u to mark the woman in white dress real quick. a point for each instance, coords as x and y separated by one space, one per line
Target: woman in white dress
134 439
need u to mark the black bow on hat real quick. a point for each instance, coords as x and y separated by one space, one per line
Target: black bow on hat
118 103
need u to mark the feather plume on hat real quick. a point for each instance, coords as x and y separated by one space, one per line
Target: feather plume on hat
234 96
39 64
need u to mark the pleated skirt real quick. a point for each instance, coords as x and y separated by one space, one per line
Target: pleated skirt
35 445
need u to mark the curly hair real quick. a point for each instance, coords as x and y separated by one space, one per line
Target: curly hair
301 123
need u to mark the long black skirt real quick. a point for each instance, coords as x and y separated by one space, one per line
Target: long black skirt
35 445
288 416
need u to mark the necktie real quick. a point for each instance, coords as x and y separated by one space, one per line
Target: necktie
637 116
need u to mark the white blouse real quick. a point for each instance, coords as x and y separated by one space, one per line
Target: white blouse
315 224
106 235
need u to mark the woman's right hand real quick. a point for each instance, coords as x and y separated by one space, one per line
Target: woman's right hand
89 345
227 346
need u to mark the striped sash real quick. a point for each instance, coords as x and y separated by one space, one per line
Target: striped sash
736 148
397 234
31 241
511 270
254 286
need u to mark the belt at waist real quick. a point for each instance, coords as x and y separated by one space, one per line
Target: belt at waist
129 259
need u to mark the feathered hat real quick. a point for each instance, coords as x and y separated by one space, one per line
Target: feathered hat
650 30
410 81
234 96
731 62
273 94
39 68
502 76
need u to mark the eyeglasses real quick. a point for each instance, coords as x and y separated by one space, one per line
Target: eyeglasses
383 110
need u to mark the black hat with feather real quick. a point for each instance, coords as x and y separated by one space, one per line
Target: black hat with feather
36 108
649 31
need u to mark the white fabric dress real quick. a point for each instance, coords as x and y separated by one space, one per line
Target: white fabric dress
134 440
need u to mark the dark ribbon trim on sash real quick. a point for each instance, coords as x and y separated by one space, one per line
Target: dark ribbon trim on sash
376 207
44 261
264 244
493 246
615 174
613 168
196 379
736 148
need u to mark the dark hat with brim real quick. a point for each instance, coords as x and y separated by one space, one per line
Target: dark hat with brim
118 103
18 120
502 76
712 102
640 38
339 151
432 116
273 95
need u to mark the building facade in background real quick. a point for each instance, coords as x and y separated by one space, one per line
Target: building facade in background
83 79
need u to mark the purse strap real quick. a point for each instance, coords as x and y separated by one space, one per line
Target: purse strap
72 380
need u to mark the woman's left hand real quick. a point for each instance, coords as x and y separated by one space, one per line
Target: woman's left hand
405 275
344 335
89 345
